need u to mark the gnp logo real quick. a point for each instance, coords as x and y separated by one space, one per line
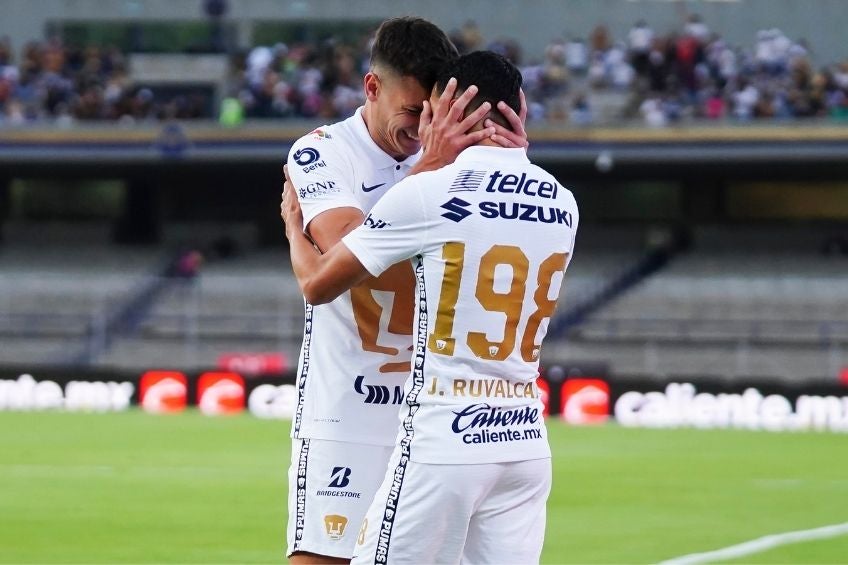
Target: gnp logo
378 394
163 391
585 401
316 189
220 393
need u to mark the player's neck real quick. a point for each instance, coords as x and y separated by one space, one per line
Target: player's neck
486 142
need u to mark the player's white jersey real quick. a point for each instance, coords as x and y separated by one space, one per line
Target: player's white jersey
490 237
356 350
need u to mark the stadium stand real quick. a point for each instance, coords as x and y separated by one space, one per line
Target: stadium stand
744 302
752 302
659 79
740 301
80 301
60 285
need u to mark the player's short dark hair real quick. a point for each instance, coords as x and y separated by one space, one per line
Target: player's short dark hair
414 47
496 78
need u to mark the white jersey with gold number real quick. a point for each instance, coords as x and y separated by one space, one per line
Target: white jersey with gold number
490 238
356 350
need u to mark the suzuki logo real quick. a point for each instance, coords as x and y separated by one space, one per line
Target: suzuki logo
456 209
340 477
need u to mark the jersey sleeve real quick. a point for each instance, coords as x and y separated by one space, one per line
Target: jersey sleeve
394 230
322 174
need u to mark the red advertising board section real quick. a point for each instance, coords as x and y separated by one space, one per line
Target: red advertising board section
583 395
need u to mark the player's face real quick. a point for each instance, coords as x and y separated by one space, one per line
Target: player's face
397 108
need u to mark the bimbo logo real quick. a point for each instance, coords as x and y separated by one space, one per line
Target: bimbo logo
375 223
377 394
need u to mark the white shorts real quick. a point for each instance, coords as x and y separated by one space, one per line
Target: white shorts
485 513
331 486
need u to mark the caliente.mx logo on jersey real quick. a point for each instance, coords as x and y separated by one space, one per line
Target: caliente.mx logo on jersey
484 423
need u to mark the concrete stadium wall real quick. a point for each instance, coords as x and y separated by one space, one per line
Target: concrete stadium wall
533 22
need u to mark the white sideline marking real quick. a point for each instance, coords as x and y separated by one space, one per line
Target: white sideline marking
759 545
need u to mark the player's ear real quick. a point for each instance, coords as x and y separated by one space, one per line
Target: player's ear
372 86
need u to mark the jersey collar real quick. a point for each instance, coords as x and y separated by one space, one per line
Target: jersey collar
380 158
499 154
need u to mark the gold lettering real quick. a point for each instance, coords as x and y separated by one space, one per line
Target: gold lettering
500 389
459 387
479 390
432 390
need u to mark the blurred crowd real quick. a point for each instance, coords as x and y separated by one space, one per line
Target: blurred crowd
50 81
659 79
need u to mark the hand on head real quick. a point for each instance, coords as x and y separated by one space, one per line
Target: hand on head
445 130
517 136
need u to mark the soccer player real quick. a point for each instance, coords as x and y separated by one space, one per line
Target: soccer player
357 349
490 237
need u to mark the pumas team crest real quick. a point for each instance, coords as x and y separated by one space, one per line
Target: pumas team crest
335 524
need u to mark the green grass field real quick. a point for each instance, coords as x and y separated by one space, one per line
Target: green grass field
135 488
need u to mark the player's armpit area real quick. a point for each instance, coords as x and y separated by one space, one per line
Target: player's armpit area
329 227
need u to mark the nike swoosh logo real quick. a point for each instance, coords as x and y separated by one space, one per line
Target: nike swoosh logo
370 188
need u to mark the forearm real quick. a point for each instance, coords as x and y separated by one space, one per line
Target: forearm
321 276
305 258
